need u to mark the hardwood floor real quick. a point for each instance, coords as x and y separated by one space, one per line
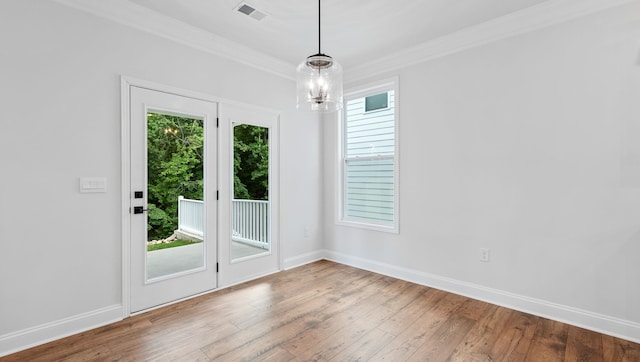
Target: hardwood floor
331 312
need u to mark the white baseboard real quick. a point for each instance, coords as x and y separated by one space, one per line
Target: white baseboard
581 318
44 333
30 337
303 259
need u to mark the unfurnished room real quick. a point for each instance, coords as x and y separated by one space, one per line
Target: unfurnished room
320 180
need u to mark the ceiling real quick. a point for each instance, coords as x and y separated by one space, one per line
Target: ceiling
353 31
365 36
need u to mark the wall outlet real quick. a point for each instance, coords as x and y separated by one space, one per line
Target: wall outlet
484 254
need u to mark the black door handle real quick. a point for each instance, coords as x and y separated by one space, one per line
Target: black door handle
139 209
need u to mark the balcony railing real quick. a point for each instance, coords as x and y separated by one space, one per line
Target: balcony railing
191 216
250 220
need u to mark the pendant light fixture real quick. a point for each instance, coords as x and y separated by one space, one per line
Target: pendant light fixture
319 81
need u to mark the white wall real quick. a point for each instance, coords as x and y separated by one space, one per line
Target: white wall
529 146
60 251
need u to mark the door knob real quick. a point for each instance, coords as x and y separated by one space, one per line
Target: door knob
139 209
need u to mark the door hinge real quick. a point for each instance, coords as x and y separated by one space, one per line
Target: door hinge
217 195
217 122
217 267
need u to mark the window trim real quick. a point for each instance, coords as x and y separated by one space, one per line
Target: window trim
359 92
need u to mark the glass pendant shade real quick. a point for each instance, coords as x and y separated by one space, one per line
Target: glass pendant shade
319 84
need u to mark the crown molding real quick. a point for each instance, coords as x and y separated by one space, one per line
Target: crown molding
136 16
536 17
526 20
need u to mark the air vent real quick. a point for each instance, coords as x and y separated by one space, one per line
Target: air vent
250 11
246 9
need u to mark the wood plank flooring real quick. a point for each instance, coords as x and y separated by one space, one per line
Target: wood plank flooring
331 312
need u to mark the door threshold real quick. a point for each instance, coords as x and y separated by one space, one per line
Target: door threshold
133 314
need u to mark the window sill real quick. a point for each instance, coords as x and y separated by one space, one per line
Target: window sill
392 229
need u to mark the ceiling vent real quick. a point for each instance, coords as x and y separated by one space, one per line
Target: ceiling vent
250 11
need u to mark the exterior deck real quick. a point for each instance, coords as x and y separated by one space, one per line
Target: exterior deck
250 236
174 260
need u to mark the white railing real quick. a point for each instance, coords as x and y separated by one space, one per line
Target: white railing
250 220
191 216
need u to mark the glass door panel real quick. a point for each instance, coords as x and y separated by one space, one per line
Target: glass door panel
175 189
250 205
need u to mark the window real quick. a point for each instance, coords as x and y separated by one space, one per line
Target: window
369 190
376 102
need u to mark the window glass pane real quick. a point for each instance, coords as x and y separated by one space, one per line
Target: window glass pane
369 162
379 101
369 134
369 189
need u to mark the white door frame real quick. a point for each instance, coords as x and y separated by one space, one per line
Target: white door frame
125 160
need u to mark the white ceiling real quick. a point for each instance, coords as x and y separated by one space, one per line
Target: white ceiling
365 36
353 31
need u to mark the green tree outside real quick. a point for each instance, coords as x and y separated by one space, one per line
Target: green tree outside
175 149
251 162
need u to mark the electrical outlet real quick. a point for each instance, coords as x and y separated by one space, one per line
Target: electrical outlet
484 254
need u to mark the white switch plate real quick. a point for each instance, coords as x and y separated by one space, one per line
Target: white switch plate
93 184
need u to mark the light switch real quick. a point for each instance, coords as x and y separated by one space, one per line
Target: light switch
93 184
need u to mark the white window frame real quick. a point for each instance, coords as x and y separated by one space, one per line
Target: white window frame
359 92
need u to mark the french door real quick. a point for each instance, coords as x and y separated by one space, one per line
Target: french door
249 185
173 206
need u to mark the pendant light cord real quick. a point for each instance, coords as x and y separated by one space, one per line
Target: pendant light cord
319 51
